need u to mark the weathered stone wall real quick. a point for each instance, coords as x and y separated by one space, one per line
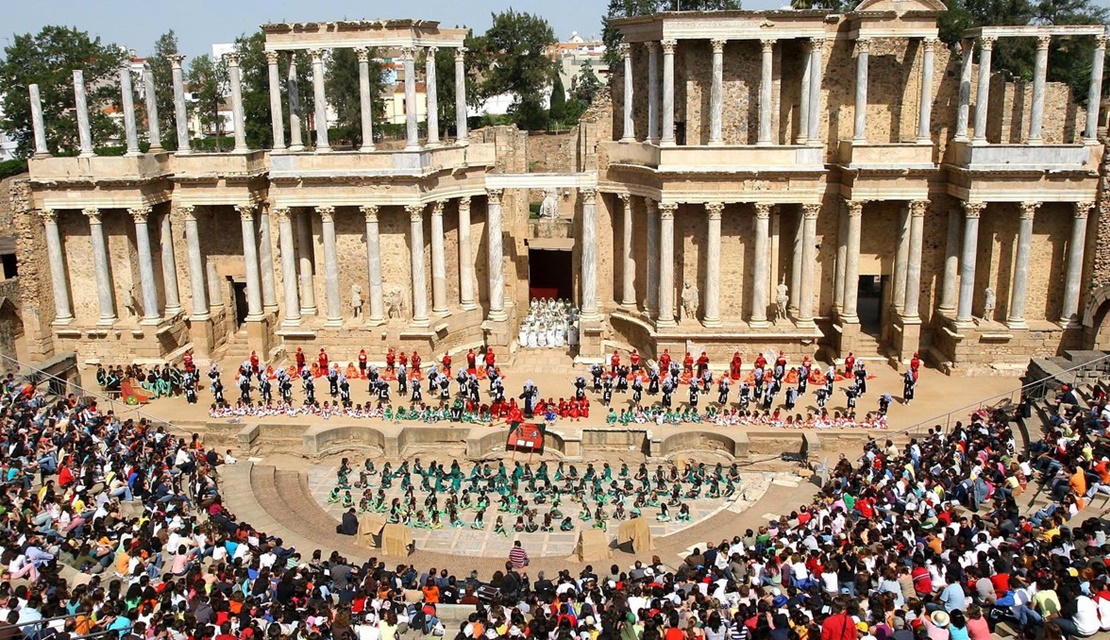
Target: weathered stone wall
36 297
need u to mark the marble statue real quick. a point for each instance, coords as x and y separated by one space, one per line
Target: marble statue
989 302
356 300
395 305
689 301
782 298
549 208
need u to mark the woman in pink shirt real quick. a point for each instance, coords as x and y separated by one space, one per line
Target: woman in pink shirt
977 628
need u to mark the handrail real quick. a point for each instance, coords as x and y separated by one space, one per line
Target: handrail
45 622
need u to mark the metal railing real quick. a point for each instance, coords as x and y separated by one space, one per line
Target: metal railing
44 623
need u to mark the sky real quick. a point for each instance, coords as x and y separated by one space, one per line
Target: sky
200 23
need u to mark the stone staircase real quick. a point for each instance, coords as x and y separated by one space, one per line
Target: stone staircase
235 348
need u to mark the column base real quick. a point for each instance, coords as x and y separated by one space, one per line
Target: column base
375 322
1016 323
421 322
413 148
309 311
852 319
1070 323
433 145
716 143
627 140
271 308
62 322
202 317
172 312
764 143
443 313
106 322
150 321
326 149
711 323
759 324
947 312
805 323
666 143
1035 142
299 148
501 315
258 317
468 306
366 148
333 322
665 324
291 322
588 316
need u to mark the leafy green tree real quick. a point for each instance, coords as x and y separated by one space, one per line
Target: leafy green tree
48 59
343 92
529 113
515 48
629 8
558 109
160 67
209 83
586 84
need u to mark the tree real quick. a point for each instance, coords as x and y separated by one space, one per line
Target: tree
587 84
516 49
833 6
629 8
162 70
558 109
344 94
208 81
254 71
48 59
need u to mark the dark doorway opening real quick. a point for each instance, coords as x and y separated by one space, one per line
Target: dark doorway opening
239 291
869 303
550 274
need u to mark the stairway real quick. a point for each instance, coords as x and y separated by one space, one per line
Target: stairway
236 348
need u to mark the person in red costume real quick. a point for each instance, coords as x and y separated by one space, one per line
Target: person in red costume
665 362
734 367
415 361
446 364
849 364
688 364
254 362
760 362
614 362
362 363
471 359
322 359
703 363
403 359
187 360
390 360
634 360
915 362
781 360
300 360
490 359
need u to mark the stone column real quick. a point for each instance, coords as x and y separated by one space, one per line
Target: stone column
1015 319
365 100
412 137
1073 280
667 138
982 97
250 259
215 288
925 103
127 93
304 253
863 54
288 267
666 264
803 98
374 265
796 266
146 264
497 257
1094 92
964 107
711 315
911 308
841 257
63 314
629 128
809 261
169 267
41 148
439 262
589 253
466 258
237 103
1040 71
716 91
947 305
652 208
180 115
766 84
320 98
854 209
104 292
430 94
331 268
84 131
266 261
901 259
293 97
628 272
197 287
154 128
967 260
462 136
416 252
276 124
653 91
760 265
815 78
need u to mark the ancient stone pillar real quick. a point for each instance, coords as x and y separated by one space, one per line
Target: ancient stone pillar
629 133
146 264
911 308
1094 92
169 267
947 304
809 259
250 259
331 268
653 91
63 313
803 98
466 258
716 91
982 96
197 286
760 265
84 131
41 148
432 98
416 252
925 103
238 121
104 293
854 209
154 128
276 124
652 252
497 257
1015 319
967 260
628 267
666 264
1073 280
901 259
293 97
711 315
288 267
766 84
180 116
667 138
796 266
412 132
307 266
321 101
127 93
1040 71
266 261
365 100
967 46
816 75
863 54
374 265
439 262
841 257
589 253
462 136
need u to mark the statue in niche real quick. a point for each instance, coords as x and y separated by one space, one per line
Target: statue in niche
395 304
989 302
131 303
689 301
549 208
356 300
782 298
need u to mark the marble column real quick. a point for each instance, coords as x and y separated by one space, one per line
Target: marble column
590 305
666 264
760 265
320 118
1094 91
1040 72
901 259
716 91
948 287
276 121
766 84
198 290
332 298
497 257
169 267
216 287
412 132
795 291
430 94
84 131
146 265
293 97
628 271
628 131
250 260
466 258
1015 319
105 294
419 279
653 92
63 313
127 93
815 77
803 98
266 261
365 100
374 265
180 115
863 54
854 209
462 136
42 150
972 210
652 208
809 261
925 102
962 112
911 308
439 262
711 315
288 266
841 257
238 120
307 264
667 138
1073 280
982 97
154 128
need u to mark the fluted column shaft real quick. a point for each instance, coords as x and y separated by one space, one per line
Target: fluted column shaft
967 259
1040 73
331 267
288 266
1015 319
466 258
365 100
238 121
304 254
803 98
653 91
628 271
462 135
497 257
667 138
412 132
1073 280
854 209
250 258
41 148
652 251
102 268
197 288
374 265
809 260
815 77
901 259
796 266
432 98
59 281
146 264
716 91
169 267
419 279
589 253
81 105
321 100
276 124
666 263
1094 91
711 316
439 262
293 97
863 54
925 103
266 261
766 82
911 308
760 264
629 133
180 115
964 106
154 128
127 93
841 258
947 305
982 95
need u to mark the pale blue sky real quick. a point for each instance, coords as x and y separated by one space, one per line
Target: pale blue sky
199 23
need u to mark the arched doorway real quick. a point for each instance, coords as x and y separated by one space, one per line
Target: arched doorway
1096 320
